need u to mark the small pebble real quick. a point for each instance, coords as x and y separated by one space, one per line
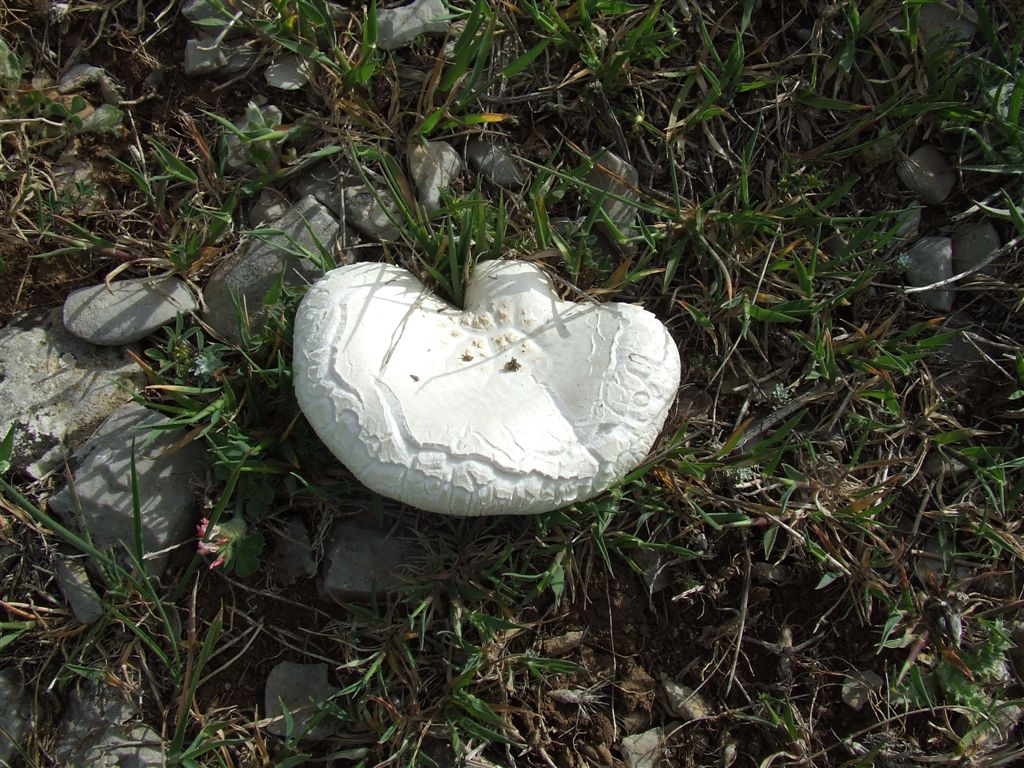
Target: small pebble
930 260
972 245
927 173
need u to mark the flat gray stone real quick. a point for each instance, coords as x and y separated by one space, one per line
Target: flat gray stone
928 174
204 56
293 553
99 730
617 178
972 245
299 689
74 584
251 271
494 163
288 73
56 388
644 750
15 714
433 166
269 206
127 310
102 499
372 212
684 701
400 26
362 559
927 261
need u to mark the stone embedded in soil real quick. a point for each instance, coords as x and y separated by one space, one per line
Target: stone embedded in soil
240 156
293 553
15 714
101 501
206 16
685 702
74 584
654 569
858 687
253 269
644 750
372 212
433 166
928 174
618 179
362 559
126 310
940 24
928 261
326 181
298 688
972 245
204 56
494 163
99 730
56 388
268 206
400 26
908 222
288 73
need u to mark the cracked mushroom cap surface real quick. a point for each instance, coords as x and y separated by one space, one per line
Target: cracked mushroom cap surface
520 404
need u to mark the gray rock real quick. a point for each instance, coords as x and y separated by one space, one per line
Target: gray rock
685 702
433 166
859 686
97 731
293 553
56 388
644 750
127 310
939 24
908 222
204 56
400 26
74 584
613 176
362 559
240 155
927 173
250 272
288 73
654 567
299 689
15 715
972 245
494 163
206 16
270 205
927 261
100 500
326 181
372 212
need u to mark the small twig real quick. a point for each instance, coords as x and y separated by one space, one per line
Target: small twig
743 623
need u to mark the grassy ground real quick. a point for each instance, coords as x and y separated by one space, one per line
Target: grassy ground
838 489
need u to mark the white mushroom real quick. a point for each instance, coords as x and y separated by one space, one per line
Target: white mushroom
520 404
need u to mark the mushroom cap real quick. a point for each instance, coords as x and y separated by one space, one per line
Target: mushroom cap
520 404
